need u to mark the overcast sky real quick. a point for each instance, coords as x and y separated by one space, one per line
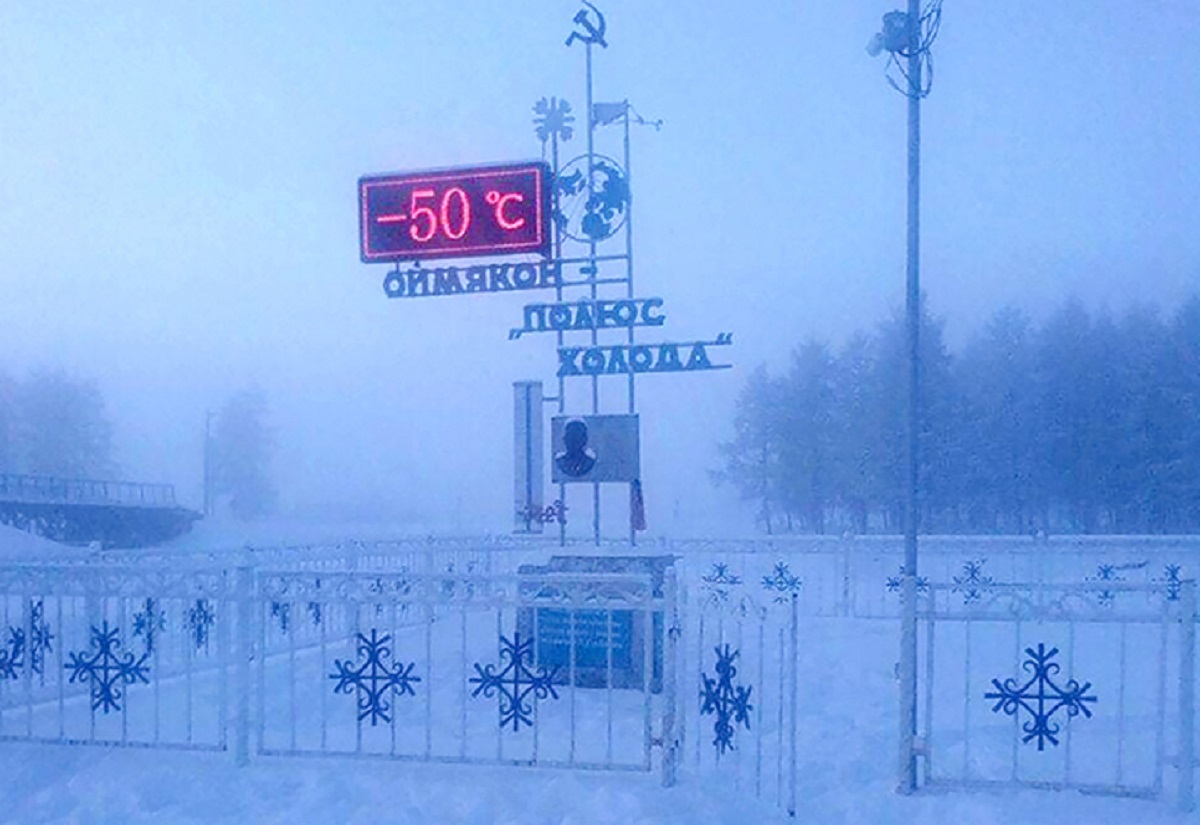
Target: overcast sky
177 207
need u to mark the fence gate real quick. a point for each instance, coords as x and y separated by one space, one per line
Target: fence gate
1087 687
738 677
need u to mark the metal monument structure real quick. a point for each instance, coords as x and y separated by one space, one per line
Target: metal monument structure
572 223
908 38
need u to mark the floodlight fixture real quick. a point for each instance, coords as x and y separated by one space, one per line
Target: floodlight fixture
907 36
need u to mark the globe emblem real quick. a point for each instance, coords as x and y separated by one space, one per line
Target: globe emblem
591 215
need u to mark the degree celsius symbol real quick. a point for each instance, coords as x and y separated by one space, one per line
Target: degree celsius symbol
455 213
499 201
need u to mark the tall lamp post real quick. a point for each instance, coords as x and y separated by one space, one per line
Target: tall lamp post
907 37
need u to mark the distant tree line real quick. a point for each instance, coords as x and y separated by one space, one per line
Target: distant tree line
1085 423
54 424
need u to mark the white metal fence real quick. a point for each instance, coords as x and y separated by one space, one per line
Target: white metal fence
465 668
398 649
537 669
860 576
115 656
1081 686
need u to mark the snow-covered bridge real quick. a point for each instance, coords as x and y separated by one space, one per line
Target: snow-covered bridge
81 511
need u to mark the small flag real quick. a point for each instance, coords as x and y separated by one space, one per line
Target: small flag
637 507
605 113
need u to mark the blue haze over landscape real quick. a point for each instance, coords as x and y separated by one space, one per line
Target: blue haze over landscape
177 218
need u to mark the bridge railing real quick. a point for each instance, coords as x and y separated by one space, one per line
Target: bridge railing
47 489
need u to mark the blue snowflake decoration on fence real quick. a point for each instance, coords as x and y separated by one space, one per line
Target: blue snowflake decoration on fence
106 669
720 581
200 619
895 584
282 612
782 582
1041 697
10 654
149 622
1112 573
41 642
515 682
1172 581
1107 573
315 608
973 583
375 678
730 703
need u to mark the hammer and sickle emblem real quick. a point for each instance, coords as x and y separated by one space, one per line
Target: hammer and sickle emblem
592 33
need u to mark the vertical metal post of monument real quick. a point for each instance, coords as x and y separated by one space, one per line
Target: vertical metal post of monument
528 496
629 290
908 37
593 272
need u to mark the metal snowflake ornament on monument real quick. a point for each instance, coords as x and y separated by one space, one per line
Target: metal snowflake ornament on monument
374 679
515 682
1041 697
729 702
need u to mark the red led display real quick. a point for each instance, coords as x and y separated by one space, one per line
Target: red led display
455 213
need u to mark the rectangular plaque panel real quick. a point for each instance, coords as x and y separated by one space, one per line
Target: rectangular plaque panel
599 631
592 448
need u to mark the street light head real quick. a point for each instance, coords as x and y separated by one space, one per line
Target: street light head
875 45
899 32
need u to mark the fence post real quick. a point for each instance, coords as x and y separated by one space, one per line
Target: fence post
672 628
846 544
1186 759
794 667
242 653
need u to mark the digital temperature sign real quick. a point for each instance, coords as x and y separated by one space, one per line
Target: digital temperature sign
455 213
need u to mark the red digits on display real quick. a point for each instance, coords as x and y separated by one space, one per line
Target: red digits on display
418 212
465 207
500 201
426 223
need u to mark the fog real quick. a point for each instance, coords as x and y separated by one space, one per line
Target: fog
178 212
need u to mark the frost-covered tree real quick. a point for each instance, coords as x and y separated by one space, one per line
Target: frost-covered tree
242 449
752 459
806 448
60 427
8 414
